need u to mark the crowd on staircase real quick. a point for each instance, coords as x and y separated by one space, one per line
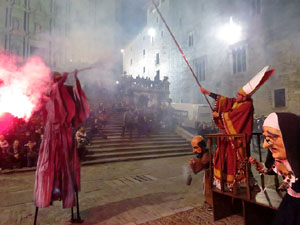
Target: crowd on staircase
138 117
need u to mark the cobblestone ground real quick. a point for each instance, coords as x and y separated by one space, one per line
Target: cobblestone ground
118 193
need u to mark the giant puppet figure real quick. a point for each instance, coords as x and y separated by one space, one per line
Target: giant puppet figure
282 138
235 116
199 163
58 167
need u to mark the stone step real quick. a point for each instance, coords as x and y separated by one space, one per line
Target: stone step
111 139
128 153
137 148
134 136
136 143
132 158
118 131
115 120
108 127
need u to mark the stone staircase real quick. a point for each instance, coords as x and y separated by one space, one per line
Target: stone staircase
117 148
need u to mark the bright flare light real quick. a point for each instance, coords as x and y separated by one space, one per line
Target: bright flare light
231 32
151 32
122 50
22 88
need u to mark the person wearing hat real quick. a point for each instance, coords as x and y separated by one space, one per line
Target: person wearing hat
282 138
235 116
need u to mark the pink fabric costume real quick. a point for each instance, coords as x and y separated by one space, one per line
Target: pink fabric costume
58 167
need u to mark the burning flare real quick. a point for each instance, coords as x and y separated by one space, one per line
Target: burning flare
21 88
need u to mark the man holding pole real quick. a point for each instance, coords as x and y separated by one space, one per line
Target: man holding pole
235 116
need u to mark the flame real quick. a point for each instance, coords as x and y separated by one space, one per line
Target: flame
22 88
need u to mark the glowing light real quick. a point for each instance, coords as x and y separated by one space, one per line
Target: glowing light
122 50
117 82
21 89
151 32
231 32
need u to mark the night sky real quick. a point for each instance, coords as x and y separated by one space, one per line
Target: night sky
132 17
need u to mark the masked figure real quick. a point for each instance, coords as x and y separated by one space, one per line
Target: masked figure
199 163
235 116
282 138
58 167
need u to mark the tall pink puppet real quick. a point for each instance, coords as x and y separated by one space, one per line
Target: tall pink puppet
58 167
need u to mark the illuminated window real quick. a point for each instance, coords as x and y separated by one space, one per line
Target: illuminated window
279 97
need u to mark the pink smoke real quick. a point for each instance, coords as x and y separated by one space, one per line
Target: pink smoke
22 88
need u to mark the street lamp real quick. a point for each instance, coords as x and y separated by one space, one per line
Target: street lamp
230 32
151 32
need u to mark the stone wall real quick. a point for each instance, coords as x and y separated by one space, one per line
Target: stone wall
64 33
270 37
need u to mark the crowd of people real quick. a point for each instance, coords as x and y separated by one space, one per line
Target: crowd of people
203 128
19 147
144 82
148 120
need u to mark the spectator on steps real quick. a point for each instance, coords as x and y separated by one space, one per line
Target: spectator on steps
16 155
128 122
4 156
32 153
96 129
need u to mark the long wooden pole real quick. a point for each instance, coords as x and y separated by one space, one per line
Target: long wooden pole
82 69
179 48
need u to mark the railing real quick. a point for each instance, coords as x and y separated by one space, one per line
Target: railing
239 141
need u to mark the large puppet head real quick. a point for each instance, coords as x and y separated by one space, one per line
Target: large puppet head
199 146
282 138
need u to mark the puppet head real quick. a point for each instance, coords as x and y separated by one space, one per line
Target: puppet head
199 146
282 132
273 137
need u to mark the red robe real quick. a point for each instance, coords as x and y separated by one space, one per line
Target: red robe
236 118
58 167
